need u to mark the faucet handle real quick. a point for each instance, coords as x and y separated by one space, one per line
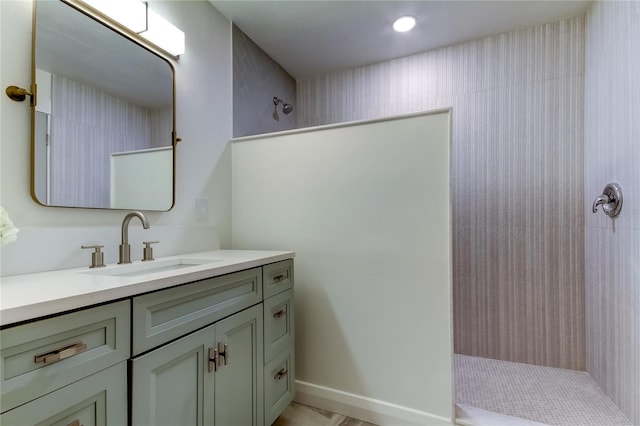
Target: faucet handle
97 257
147 253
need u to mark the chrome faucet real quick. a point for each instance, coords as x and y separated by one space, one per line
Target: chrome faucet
125 248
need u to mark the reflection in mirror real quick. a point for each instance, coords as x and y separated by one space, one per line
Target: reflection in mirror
103 127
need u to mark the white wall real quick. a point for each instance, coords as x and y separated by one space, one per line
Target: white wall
204 120
367 210
142 178
612 154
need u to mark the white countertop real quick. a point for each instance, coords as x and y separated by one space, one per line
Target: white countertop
29 296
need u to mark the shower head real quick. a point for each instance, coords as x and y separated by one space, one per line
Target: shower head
286 108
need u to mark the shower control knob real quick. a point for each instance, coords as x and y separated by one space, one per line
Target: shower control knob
610 200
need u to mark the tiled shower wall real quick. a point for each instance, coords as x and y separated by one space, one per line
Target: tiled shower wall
612 154
256 80
517 178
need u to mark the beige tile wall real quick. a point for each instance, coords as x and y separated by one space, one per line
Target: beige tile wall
612 154
517 178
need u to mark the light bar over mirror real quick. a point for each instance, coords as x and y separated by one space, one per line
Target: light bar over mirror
131 14
138 17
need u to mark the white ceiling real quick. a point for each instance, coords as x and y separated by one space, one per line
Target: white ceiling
309 37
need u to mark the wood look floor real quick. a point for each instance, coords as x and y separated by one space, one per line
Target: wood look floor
303 415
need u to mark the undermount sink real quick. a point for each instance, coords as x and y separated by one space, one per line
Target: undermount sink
149 267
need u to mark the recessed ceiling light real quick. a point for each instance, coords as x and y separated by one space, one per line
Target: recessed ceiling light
404 24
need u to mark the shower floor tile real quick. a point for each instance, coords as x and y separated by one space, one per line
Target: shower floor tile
542 394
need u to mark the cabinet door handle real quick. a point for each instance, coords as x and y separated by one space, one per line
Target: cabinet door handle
282 312
280 374
280 277
60 353
213 359
218 356
223 352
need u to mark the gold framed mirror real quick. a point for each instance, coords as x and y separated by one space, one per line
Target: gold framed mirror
103 127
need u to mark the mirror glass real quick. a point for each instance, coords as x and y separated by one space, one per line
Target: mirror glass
104 123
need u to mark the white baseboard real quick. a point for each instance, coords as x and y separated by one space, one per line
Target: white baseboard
370 410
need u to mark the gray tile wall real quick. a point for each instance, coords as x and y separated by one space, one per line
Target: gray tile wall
612 153
517 178
256 80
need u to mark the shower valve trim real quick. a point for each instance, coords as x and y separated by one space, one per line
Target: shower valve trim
610 200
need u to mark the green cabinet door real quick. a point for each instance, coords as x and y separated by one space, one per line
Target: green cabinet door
182 384
172 385
239 382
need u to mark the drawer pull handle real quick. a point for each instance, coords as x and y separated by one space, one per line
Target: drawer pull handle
280 374
61 353
280 277
74 423
280 313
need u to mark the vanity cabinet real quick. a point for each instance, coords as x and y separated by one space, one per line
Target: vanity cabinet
210 375
216 351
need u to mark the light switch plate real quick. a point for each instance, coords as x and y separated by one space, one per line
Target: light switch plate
202 209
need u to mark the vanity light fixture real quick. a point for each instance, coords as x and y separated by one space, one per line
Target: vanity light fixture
404 24
132 14
163 34
136 16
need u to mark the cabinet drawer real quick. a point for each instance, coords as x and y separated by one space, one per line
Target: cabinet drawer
168 314
278 324
42 356
279 382
277 277
100 399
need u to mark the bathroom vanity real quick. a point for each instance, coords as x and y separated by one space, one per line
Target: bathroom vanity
200 339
